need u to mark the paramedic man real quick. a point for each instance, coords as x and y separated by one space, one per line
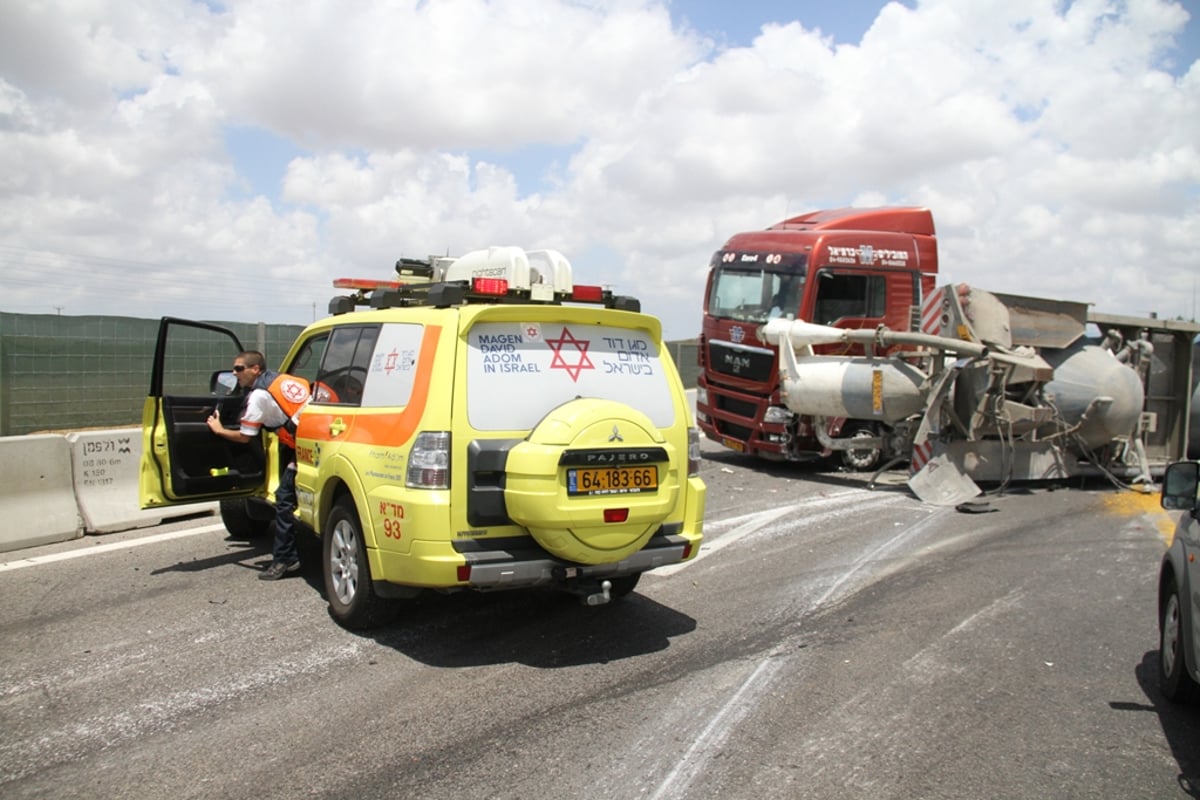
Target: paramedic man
275 400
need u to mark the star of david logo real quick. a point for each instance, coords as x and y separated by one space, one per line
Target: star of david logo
398 360
581 347
294 391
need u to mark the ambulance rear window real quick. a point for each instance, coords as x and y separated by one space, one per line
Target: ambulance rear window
517 372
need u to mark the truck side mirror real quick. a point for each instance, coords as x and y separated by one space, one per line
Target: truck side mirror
1180 484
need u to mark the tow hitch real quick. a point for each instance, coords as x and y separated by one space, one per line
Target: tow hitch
590 592
599 598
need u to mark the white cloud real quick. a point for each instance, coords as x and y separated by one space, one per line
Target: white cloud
447 74
1058 154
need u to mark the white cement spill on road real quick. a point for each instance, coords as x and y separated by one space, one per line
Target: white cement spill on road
83 551
164 710
708 743
748 524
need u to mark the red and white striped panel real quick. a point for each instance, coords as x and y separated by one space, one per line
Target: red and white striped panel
920 456
933 313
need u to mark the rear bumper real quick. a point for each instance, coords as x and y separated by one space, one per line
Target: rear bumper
519 563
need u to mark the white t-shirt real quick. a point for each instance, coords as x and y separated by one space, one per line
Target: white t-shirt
261 411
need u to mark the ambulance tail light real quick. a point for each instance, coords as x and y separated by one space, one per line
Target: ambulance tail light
494 286
429 461
588 294
694 455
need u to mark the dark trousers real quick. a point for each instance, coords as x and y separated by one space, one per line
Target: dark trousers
285 508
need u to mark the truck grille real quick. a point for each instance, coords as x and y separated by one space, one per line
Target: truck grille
743 408
740 362
733 431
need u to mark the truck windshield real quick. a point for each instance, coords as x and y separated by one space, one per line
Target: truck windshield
756 287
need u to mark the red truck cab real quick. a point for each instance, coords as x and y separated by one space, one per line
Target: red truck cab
850 268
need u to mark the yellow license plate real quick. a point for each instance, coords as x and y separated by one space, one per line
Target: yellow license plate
733 444
612 480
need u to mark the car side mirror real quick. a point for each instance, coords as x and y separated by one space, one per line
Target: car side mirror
1180 484
223 383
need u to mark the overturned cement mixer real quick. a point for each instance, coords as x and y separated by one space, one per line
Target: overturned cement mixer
993 388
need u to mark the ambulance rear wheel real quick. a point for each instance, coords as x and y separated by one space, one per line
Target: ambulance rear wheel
239 520
861 459
348 588
623 585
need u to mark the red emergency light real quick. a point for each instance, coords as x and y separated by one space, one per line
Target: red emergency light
495 286
587 294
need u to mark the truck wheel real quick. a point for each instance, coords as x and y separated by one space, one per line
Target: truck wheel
241 524
1173 676
863 460
352 598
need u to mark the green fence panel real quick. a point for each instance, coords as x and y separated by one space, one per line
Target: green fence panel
64 373
60 373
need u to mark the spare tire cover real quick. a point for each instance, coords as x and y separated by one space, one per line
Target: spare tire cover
625 449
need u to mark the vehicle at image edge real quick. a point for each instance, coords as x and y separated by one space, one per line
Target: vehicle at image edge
1179 587
487 424
850 268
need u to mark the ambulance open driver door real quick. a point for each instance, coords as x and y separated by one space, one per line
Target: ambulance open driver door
182 461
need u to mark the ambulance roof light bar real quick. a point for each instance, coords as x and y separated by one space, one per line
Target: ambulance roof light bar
495 274
542 273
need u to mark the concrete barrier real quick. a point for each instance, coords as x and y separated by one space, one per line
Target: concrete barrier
105 465
37 497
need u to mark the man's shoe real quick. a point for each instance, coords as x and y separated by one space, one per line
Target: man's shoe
278 569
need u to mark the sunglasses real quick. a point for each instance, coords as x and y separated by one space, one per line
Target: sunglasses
240 367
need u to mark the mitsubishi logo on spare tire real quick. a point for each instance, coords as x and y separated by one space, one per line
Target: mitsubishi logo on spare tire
616 435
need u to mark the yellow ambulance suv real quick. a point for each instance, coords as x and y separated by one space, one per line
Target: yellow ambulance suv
481 423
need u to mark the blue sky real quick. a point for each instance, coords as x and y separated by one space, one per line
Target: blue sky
156 154
737 24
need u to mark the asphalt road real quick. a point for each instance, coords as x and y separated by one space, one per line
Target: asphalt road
831 641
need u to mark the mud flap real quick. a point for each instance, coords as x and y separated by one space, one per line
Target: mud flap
942 483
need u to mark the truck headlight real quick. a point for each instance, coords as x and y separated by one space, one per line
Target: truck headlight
777 415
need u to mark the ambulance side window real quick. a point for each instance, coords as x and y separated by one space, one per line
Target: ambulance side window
343 373
308 358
